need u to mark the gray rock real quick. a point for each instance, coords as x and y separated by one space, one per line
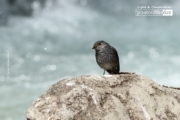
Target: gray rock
116 97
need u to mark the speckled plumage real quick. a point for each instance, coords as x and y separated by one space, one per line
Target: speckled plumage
107 57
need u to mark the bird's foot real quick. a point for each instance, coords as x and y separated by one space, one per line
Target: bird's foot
126 73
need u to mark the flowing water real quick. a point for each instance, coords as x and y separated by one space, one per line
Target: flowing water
56 42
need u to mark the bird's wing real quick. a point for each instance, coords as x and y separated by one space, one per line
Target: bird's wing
114 50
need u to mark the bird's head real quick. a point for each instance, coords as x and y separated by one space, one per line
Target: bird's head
99 45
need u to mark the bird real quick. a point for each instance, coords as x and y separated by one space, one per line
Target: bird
106 57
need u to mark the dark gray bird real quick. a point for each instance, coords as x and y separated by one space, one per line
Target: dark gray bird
106 57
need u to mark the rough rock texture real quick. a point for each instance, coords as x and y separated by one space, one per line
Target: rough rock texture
117 97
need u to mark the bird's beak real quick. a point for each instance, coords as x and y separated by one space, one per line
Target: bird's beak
93 47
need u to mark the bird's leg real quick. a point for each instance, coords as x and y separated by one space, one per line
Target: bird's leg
104 72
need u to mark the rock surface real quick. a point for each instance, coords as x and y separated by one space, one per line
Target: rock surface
117 97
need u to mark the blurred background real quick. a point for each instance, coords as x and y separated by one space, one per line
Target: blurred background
44 41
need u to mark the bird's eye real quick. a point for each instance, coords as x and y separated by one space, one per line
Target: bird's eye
99 43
